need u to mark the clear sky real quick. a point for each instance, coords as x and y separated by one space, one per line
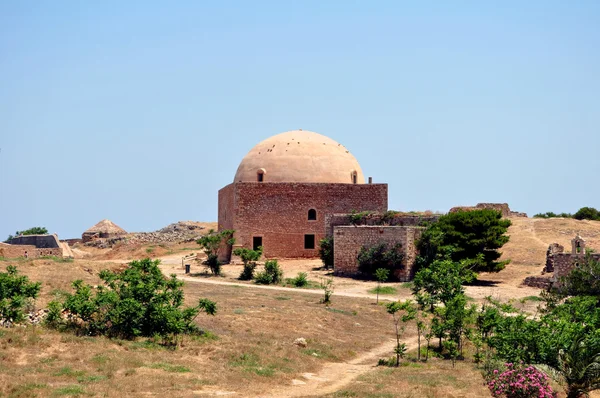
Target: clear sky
140 111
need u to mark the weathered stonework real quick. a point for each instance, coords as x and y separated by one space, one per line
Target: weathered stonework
501 207
559 264
348 240
31 246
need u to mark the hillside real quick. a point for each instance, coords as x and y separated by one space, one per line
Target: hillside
530 237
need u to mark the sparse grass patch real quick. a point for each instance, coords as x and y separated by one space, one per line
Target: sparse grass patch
26 390
167 367
282 298
250 363
74 390
532 298
58 259
90 379
238 311
69 372
384 290
338 311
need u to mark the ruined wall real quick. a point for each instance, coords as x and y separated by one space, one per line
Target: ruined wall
39 241
400 220
348 241
16 251
501 207
278 212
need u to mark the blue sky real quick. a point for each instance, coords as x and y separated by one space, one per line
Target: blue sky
140 111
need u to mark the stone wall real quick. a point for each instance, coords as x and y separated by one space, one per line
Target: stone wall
278 212
348 241
501 207
399 220
16 251
39 241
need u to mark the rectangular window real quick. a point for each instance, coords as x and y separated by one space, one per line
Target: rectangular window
309 241
256 242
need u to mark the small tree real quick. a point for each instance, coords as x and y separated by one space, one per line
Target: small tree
382 275
249 258
211 243
380 256
15 290
587 213
326 251
139 301
327 286
272 274
409 314
439 283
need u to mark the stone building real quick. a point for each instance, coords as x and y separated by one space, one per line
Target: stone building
559 263
105 229
285 188
295 188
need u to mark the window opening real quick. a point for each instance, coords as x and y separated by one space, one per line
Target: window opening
309 241
312 215
256 242
260 176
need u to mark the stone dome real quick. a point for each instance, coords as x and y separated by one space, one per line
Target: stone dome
299 156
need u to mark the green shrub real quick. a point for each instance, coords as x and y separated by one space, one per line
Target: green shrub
249 258
16 292
30 231
272 273
326 251
587 213
211 243
379 256
138 301
300 280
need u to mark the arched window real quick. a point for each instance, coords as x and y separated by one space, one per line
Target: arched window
312 215
354 177
260 175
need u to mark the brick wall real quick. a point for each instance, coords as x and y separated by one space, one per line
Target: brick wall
278 212
348 241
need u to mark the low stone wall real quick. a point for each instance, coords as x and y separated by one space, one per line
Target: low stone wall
501 207
379 219
541 282
348 240
16 251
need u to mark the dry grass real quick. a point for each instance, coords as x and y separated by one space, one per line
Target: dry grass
252 353
436 378
250 349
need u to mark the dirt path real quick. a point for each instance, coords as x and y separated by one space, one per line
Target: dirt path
284 289
334 376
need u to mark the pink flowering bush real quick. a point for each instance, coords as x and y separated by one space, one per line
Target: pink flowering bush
520 382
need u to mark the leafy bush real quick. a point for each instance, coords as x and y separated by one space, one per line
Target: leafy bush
326 251
520 382
379 256
300 280
211 243
15 292
138 301
249 258
272 273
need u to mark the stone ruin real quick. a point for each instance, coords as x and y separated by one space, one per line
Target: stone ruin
559 264
501 207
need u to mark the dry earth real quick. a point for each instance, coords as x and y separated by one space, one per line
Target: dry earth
253 352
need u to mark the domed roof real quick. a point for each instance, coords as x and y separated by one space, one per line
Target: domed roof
299 156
